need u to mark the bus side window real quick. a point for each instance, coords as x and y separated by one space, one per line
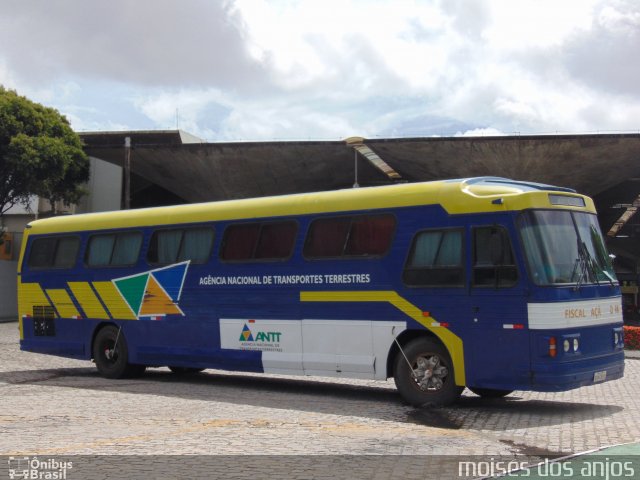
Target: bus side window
493 263
276 240
246 242
54 252
113 249
180 244
196 245
362 236
370 235
435 259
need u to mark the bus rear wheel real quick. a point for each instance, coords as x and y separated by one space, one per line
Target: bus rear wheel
111 354
490 392
425 377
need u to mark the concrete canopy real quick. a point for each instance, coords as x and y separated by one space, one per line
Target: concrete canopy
197 172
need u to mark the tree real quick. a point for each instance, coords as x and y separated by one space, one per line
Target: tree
39 154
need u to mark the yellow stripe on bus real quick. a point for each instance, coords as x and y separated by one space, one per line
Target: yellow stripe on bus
88 300
63 303
454 196
451 341
112 298
29 295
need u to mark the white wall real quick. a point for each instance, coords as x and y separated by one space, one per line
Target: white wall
22 210
104 186
8 290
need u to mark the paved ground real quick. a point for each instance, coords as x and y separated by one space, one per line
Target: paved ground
51 406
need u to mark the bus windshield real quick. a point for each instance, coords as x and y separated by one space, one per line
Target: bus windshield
564 247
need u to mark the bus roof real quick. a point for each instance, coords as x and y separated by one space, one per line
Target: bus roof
471 195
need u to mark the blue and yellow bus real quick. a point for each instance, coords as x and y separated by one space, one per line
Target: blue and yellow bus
486 283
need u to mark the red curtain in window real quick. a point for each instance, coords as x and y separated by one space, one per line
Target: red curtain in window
276 240
371 235
240 241
327 237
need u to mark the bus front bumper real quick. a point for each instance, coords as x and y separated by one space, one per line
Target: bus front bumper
557 377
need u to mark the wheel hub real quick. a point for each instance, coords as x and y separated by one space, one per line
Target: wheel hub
429 373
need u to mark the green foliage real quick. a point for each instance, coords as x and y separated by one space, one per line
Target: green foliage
39 154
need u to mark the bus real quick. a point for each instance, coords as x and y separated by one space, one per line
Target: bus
486 283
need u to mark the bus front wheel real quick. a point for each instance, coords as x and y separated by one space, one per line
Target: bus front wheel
424 374
111 354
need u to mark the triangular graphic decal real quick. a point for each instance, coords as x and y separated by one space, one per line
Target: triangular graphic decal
171 279
132 290
155 293
246 335
156 301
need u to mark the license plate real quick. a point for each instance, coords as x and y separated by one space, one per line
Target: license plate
600 376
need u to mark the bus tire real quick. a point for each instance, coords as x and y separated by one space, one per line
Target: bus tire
490 392
185 370
435 384
136 370
113 363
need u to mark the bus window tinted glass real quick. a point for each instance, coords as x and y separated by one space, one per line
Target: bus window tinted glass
100 249
240 241
259 241
327 237
42 252
168 245
360 236
126 249
493 263
276 240
196 245
66 252
54 252
370 235
172 246
435 259
114 249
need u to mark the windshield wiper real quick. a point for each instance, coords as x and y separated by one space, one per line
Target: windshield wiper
578 267
585 264
612 280
595 266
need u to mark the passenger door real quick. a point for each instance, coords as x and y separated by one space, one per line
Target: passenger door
498 310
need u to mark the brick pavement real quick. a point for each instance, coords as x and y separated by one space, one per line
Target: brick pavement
56 406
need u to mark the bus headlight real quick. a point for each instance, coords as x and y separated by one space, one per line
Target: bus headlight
571 344
618 338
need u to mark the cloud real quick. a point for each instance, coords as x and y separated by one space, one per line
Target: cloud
198 111
146 42
480 132
605 56
266 69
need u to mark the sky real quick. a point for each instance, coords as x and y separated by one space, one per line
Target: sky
261 70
